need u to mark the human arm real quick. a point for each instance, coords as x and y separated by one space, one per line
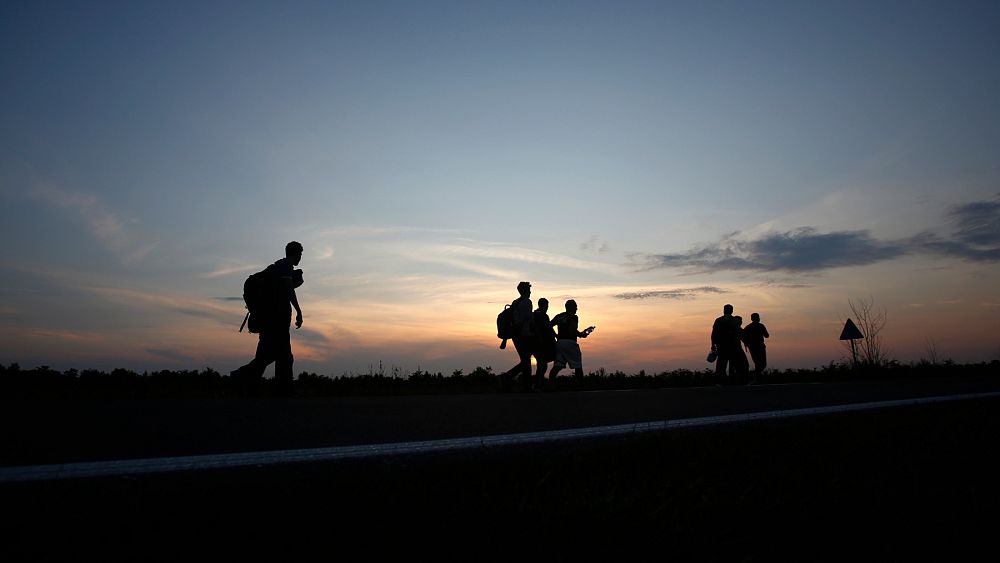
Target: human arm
298 310
294 300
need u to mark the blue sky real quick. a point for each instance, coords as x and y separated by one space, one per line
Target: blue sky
787 156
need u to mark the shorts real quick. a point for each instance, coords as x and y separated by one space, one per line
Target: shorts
568 352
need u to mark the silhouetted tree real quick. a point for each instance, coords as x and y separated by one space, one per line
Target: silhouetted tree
870 320
932 355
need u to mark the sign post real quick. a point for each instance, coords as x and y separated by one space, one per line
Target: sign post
852 333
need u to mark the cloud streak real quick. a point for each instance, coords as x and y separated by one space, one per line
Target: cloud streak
595 245
495 251
193 307
226 270
104 224
977 223
975 233
975 236
363 231
671 294
800 250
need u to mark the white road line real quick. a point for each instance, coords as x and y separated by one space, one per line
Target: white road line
27 473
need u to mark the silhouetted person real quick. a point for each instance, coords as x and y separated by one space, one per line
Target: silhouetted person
725 342
524 337
567 348
739 365
545 341
753 336
275 343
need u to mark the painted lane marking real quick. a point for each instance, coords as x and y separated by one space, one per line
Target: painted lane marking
121 468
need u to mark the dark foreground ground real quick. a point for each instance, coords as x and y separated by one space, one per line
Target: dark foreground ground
910 483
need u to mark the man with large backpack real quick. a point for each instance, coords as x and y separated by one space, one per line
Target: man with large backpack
270 297
523 337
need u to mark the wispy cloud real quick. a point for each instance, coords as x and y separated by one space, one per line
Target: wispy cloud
189 306
104 224
975 233
784 284
975 236
226 270
64 335
672 294
978 223
800 250
934 244
595 245
479 249
364 231
324 253
471 266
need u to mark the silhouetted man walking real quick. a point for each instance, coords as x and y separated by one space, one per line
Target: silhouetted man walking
725 342
753 336
275 343
567 348
545 341
524 337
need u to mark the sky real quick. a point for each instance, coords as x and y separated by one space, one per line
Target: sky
651 160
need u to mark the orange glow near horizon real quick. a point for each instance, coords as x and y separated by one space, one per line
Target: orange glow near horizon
443 325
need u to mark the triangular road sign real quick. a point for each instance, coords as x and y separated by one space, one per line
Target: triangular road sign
850 331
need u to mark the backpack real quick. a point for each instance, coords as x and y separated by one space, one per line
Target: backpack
505 325
258 295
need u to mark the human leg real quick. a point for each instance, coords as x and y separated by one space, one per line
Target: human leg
540 369
523 367
524 347
249 376
759 356
283 363
721 364
739 367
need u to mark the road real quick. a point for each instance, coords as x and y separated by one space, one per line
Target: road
896 484
50 432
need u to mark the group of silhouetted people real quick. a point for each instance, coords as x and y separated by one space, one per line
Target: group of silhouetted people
729 338
547 340
533 333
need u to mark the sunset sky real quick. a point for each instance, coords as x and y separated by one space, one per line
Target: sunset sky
651 160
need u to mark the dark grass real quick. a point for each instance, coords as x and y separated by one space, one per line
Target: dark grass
903 484
46 383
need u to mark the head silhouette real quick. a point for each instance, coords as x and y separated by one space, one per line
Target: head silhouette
524 288
755 317
543 304
571 306
739 320
727 310
293 251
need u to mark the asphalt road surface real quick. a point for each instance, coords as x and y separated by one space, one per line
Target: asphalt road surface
915 483
48 432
